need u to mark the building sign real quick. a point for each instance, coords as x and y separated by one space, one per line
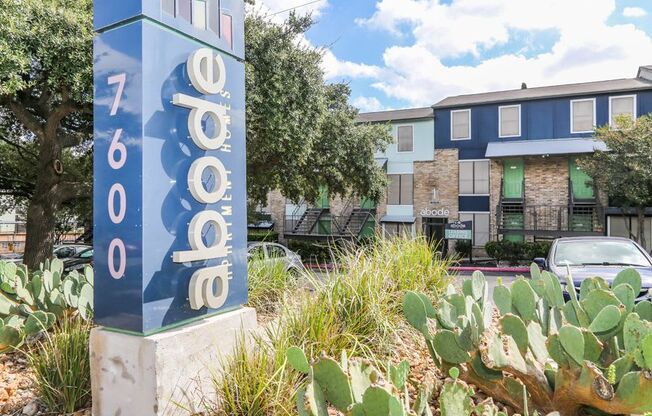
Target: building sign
459 230
169 169
441 212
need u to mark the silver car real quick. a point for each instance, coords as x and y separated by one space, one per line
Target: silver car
273 252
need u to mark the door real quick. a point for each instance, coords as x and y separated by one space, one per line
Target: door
513 171
367 203
323 199
580 182
434 230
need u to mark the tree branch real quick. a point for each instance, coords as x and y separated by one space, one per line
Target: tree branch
68 191
24 116
20 148
62 111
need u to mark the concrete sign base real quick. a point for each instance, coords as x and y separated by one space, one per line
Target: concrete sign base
163 374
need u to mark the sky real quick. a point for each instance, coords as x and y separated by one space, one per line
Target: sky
413 53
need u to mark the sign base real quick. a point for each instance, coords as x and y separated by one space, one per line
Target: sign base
163 374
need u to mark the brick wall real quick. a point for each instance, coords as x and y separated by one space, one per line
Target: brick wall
441 174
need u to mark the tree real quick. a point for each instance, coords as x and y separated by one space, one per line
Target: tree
301 132
45 111
624 171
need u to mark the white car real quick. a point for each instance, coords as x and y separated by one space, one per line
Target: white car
270 252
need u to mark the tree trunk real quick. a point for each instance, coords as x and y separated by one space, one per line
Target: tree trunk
640 212
41 212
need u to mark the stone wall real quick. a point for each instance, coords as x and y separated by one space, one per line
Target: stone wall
495 192
441 174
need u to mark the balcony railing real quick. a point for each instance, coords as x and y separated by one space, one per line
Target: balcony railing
550 220
323 225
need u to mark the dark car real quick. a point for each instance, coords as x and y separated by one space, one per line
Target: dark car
586 257
79 261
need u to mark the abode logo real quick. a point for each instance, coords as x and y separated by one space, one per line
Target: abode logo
429 212
208 286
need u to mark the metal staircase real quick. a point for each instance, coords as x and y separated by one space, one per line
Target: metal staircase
355 222
307 222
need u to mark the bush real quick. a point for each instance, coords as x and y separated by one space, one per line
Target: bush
62 368
514 251
260 235
537 249
311 251
464 248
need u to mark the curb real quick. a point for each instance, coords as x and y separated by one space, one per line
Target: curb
490 269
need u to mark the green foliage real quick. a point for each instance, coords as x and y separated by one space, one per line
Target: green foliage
61 367
268 284
31 304
513 251
623 172
311 251
301 132
266 236
594 348
463 248
355 388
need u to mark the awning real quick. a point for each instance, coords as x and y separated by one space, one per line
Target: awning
544 147
382 162
398 218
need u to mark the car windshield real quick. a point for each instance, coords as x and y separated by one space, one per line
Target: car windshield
599 253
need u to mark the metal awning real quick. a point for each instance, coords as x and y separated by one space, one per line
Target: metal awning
544 147
382 162
398 218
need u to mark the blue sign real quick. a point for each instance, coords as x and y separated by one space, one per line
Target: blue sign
169 173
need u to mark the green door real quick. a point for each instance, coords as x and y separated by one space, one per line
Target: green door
323 200
367 203
513 178
580 182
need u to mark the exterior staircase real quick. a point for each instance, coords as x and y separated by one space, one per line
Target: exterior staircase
307 222
355 222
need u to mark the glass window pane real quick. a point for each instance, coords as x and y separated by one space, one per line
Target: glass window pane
509 121
481 177
390 229
275 252
405 139
583 115
621 106
406 189
199 14
394 190
466 178
168 6
461 123
213 16
480 230
184 9
226 23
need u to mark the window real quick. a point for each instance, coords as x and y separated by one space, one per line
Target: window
405 139
474 177
199 13
618 106
168 6
509 121
480 226
184 9
582 116
396 229
275 252
226 22
400 189
461 125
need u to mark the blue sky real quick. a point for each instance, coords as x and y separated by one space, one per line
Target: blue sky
407 53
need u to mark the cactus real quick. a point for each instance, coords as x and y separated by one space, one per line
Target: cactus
31 304
355 388
592 352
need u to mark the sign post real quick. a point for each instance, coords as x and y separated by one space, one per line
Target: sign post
460 230
169 198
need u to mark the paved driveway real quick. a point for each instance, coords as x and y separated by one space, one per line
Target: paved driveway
492 279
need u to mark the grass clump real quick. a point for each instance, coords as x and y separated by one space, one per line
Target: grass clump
269 281
355 309
62 367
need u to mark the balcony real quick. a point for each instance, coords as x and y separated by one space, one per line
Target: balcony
318 223
550 221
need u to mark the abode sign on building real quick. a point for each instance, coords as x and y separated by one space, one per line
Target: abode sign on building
170 194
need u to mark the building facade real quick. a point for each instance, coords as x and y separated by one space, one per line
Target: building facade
507 161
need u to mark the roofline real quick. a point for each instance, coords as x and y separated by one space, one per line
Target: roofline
389 117
436 106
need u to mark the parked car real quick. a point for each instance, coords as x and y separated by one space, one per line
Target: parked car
605 257
79 261
66 251
274 252
12 258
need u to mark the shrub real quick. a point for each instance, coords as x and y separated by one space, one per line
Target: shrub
62 368
593 351
268 283
311 251
463 248
262 235
537 249
513 251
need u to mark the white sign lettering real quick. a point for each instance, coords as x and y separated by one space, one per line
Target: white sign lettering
442 212
209 287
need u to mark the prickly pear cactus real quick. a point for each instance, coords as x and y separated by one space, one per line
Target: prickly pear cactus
355 388
30 304
594 350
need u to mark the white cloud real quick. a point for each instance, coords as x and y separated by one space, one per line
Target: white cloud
368 104
334 68
634 12
587 48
